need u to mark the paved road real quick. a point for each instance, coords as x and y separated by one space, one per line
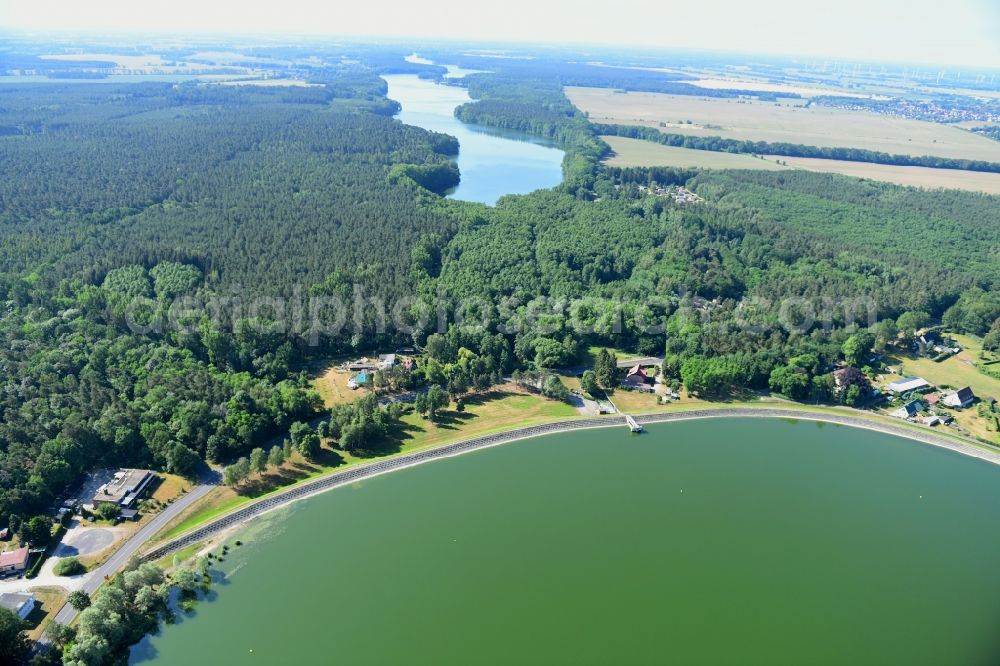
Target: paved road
132 545
322 484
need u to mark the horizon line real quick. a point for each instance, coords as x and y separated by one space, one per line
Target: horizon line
394 39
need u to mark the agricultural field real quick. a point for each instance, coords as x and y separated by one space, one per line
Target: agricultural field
766 86
639 153
776 122
951 179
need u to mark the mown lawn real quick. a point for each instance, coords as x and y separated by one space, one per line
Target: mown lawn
48 601
331 383
171 487
956 372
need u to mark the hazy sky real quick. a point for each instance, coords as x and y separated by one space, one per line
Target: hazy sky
933 31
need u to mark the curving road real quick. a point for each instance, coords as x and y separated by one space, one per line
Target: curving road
133 544
309 488
360 472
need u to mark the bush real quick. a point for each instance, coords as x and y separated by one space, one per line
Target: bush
40 560
69 566
107 511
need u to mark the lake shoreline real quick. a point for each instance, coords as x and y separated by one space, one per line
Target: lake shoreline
334 480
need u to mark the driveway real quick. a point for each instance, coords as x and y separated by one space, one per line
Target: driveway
81 539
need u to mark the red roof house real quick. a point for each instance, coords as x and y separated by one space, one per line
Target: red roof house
14 561
637 377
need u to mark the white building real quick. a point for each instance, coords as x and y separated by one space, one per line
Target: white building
908 384
961 398
19 603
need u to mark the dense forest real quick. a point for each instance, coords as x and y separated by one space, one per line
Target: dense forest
119 201
718 144
146 191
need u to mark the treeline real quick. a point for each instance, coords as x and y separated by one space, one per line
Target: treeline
992 131
620 77
721 145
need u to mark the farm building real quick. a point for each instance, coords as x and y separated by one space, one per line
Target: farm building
961 398
908 384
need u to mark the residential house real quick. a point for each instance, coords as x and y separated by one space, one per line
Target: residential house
362 365
14 561
908 385
849 376
386 361
932 400
638 379
961 398
19 603
909 410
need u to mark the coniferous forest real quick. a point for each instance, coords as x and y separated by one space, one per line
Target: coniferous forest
113 194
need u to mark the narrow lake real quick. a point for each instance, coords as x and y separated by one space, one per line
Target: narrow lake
730 541
492 162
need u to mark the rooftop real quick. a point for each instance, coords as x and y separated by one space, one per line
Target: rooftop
14 557
13 601
908 384
125 488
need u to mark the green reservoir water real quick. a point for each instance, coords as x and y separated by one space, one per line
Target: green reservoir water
743 541
492 162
